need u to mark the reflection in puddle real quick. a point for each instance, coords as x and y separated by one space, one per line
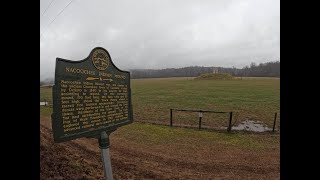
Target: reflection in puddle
255 126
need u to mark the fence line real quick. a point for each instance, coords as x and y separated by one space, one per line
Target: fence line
200 116
274 122
46 103
210 111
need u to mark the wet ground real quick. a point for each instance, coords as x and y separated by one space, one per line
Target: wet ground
255 126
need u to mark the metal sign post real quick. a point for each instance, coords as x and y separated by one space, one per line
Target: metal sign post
104 146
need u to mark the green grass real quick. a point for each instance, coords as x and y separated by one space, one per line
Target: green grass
214 76
46 111
46 94
256 99
253 98
147 134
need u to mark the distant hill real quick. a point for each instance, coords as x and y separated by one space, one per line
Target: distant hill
269 69
214 76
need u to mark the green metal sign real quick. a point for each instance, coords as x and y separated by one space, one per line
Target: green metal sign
90 96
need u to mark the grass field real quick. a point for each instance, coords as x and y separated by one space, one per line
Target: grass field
250 98
146 151
255 99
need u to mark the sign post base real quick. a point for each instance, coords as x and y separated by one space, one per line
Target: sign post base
105 154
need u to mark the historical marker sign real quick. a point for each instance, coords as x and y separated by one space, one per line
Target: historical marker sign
89 96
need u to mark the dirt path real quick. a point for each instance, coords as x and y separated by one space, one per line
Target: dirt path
80 159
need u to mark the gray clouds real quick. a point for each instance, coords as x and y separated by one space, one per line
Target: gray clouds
162 33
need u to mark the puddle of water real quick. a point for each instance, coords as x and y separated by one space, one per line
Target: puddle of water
255 126
44 103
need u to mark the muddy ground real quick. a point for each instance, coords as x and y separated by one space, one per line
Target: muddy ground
80 159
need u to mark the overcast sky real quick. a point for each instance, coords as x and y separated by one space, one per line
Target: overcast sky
157 34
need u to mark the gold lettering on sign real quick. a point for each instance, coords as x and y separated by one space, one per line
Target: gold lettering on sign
105 74
120 76
79 71
87 104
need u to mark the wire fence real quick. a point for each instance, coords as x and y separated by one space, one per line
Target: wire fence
225 120
45 103
200 115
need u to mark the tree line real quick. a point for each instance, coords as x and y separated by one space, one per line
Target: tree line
268 69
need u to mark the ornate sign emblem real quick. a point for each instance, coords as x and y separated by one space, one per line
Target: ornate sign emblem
100 59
